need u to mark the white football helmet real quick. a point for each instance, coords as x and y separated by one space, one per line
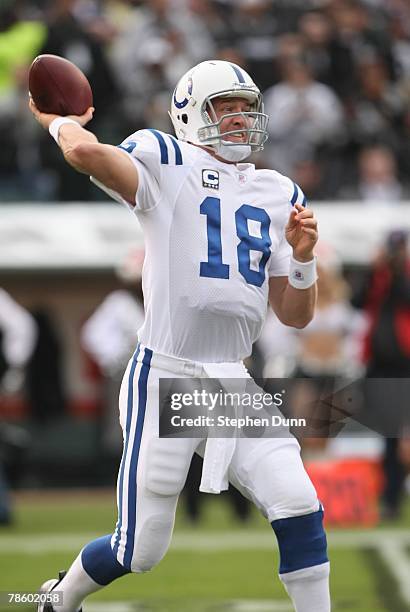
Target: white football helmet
193 115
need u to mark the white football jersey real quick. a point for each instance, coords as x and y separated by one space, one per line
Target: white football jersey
214 234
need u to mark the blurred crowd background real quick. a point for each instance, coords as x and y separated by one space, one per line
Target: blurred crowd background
335 74
336 81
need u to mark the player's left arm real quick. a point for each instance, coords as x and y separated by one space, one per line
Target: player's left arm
293 306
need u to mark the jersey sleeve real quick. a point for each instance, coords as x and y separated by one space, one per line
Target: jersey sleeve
280 260
144 150
292 192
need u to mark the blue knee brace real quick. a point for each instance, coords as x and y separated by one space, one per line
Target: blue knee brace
100 563
302 541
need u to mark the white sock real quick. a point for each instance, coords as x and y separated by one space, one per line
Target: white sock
75 586
309 588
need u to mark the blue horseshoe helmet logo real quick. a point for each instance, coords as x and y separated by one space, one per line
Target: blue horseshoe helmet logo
185 100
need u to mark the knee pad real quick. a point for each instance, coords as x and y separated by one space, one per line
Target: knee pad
274 474
297 498
302 541
152 543
166 467
100 563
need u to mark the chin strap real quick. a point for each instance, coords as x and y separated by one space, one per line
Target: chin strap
233 153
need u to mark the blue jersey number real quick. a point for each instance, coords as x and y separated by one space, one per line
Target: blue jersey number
214 267
129 147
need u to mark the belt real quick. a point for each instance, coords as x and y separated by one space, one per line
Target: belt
186 367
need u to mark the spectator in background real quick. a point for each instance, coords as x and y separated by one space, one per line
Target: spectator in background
385 298
305 115
330 61
400 37
19 335
378 108
20 39
377 181
231 54
109 336
17 340
102 20
66 36
253 30
216 21
45 379
309 174
362 31
160 43
326 350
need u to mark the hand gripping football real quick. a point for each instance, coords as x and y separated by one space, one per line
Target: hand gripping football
57 86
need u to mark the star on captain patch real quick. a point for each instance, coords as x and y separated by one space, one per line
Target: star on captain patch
210 179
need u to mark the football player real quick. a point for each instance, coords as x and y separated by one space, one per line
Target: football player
222 240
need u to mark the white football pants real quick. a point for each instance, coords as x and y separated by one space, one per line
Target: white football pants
153 470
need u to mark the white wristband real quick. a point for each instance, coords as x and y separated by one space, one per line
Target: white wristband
56 124
302 275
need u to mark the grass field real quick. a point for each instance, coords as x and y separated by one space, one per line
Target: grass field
218 565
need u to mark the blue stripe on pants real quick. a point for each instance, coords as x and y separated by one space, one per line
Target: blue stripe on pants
132 477
124 455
